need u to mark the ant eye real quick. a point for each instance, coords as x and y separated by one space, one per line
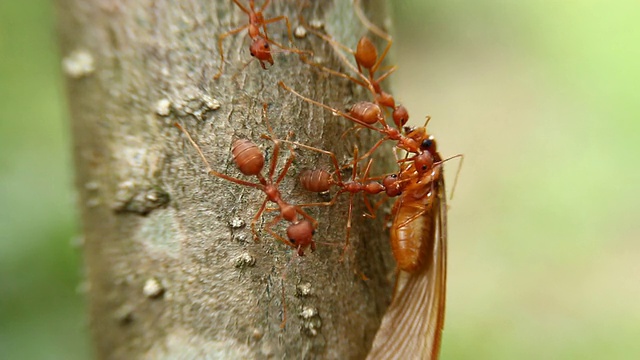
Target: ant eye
394 176
266 45
424 167
426 143
293 241
313 232
252 54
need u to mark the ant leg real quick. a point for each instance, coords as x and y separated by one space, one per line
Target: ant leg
276 19
376 146
313 221
414 217
287 165
329 108
265 117
334 160
349 215
382 56
378 205
371 213
255 220
334 72
455 180
274 159
276 149
209 170
277 236
339 48
288 49
374 29
385 75
264 5
243 8
284 303
328 203
221 50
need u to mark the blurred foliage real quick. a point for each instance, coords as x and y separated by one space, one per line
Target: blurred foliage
41 314
542 98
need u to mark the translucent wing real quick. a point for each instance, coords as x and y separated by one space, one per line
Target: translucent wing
412 326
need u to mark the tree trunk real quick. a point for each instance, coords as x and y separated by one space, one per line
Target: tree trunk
172 270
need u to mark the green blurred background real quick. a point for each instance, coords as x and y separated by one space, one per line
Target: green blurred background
542 97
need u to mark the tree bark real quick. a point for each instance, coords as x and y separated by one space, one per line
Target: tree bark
172 271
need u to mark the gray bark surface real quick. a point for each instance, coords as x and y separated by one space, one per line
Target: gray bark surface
171 271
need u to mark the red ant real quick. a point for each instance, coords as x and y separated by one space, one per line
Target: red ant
250 161
366 56
320 181
366 114
260 40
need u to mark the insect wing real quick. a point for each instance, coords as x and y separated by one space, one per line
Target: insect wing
412 326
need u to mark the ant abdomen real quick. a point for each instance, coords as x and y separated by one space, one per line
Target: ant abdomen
248 157
400 116
367 112
366 53
315 180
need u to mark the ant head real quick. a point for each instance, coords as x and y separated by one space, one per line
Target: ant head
392 185
400 116
301 234
429 144
366 53
423 162
260 49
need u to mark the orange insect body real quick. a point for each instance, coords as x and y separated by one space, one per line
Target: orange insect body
413 228
413 324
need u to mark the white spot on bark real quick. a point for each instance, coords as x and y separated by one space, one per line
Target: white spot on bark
245 260
257 334
210 102
78 64
316 24
300 32
308 312
304 290
163 107
311 323
152 288
236 223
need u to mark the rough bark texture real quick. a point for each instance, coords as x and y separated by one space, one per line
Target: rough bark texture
171 270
